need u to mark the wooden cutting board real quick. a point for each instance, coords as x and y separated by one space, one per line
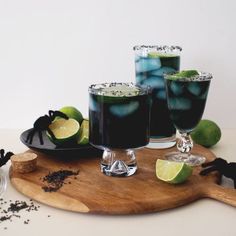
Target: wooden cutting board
93 192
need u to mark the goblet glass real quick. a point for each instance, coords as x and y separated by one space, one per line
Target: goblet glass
119 123
186 99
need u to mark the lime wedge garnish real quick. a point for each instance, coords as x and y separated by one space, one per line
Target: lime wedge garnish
83 135
64 130
186 73
172 172
159 54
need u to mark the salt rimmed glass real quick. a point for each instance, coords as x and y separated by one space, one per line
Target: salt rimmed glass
186 98
119 115
151 62
3 182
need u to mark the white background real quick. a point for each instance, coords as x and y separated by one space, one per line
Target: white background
52 50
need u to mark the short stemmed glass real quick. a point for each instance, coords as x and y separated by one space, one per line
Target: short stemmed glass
186 98
119 115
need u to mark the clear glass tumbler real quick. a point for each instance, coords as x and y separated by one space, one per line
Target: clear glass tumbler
119 115
151 63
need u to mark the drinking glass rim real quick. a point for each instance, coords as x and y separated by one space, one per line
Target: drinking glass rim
97 89
159 48
203 76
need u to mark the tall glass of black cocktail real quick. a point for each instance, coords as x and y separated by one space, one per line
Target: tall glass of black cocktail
186 97
119 116
151 63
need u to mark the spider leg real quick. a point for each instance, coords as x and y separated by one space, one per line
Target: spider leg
54 114
6 158
1 157
31 136
40 137
208 164
208 170
51 133
2 153
50 113
217 162
234 183
9 154
211 163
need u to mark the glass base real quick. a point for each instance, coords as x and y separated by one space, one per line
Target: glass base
188 158
118 162
162 143
3 183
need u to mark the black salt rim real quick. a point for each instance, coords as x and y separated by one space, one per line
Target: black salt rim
97 89
158 48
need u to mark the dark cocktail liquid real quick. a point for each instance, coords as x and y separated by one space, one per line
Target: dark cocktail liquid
149 71
186 102
119 120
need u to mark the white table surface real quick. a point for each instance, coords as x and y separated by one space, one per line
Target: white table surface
203 217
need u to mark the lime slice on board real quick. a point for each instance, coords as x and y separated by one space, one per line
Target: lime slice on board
172 172
83 135
64 130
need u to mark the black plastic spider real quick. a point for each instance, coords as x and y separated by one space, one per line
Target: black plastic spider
5 158
223 167
42 123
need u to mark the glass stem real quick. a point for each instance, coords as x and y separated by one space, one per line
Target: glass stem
118 162
185 143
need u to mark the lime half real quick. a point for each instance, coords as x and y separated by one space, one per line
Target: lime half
172 172
64 130
83 135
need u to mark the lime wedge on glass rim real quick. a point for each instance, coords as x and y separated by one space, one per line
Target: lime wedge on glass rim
63 130
83 134
160 54
172 172
184 74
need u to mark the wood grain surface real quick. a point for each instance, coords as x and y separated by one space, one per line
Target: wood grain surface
93 192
